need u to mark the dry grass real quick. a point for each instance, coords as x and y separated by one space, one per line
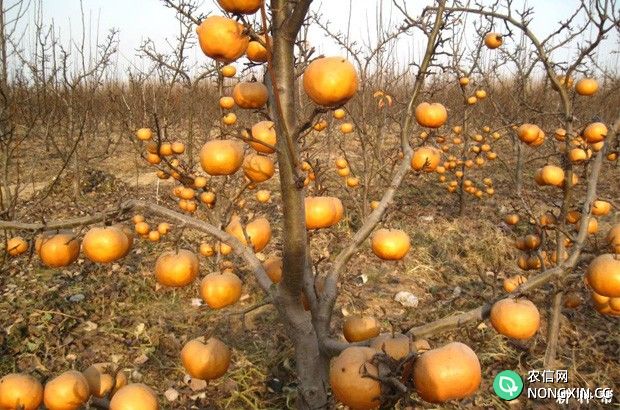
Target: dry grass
455 264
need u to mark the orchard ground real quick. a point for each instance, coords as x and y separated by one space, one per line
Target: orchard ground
456 263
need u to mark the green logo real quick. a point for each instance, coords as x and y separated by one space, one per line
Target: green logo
508 385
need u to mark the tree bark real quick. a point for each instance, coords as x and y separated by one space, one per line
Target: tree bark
519 169
553 331
311 366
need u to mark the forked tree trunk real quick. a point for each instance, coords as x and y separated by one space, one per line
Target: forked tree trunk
310 365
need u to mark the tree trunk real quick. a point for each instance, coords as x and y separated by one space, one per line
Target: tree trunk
77 170
519 170
464 130
553 331
310 365
190 137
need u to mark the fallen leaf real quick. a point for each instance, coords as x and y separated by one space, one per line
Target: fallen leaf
407 299
90 326
140 329
197 385
141 359
171 394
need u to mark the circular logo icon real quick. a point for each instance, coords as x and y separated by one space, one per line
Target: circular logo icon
508 385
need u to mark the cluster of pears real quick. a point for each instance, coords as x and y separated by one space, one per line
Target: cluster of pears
438 375
72 390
